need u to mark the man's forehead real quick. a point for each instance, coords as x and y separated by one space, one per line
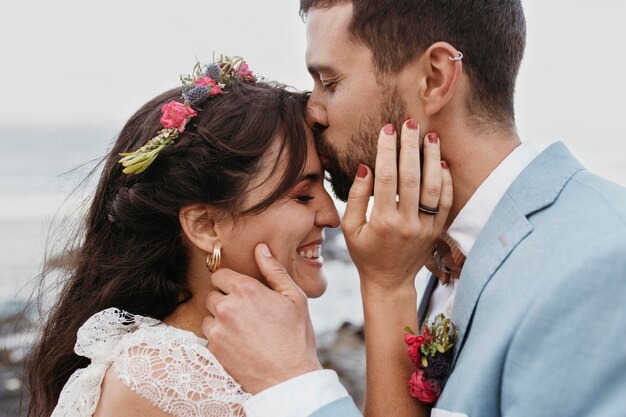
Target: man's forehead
327 29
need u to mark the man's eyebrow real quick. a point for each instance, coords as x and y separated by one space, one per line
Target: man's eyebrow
318 68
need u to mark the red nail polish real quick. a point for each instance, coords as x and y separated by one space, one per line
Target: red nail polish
362 171
411 124
444 165
389 129
432 138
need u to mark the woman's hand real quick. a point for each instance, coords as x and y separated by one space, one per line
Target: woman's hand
398 240
389 250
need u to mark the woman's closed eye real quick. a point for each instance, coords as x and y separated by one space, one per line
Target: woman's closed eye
303 198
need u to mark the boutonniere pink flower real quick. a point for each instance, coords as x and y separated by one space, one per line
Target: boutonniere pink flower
431 354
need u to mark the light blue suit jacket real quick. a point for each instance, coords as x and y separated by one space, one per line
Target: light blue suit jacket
541 303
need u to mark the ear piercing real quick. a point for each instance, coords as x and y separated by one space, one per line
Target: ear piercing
456 58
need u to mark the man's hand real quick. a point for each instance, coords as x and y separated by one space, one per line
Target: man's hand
261 336
398 240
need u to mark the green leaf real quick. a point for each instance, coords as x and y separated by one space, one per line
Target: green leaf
424 362
440 348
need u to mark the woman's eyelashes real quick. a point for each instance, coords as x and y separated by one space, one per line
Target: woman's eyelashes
303 198
302 193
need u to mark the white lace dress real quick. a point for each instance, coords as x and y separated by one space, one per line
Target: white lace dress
169 367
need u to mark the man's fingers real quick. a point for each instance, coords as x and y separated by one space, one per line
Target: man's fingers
207 325
358 199
386 173
431 177
409 169
445 201
274 272
225 280
212 300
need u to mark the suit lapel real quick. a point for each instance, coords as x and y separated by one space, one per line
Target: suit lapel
500 236
537 187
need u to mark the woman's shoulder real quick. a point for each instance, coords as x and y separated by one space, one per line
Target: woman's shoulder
173 369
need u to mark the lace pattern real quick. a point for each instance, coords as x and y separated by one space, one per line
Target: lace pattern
169 367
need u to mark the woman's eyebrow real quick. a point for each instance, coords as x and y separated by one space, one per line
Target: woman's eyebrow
311 176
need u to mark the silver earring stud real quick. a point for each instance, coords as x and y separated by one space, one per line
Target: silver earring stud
456 58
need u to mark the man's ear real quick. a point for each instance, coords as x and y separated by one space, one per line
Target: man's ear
198 224
441 76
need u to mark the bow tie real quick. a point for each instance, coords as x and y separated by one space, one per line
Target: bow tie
447 260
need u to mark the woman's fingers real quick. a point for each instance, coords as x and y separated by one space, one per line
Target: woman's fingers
409 171
446 198
386 174
430 189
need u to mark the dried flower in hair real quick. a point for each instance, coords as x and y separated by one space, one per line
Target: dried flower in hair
196 90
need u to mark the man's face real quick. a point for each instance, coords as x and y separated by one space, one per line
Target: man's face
349 103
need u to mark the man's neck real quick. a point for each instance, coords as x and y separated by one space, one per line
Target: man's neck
472 157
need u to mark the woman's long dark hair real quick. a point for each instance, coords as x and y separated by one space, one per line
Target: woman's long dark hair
131 254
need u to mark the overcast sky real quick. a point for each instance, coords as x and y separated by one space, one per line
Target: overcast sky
68 62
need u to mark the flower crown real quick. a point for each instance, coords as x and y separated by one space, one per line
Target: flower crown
204 82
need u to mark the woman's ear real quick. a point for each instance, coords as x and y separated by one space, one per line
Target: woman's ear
198 224
442 68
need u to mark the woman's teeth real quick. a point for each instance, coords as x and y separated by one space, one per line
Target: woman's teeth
311 253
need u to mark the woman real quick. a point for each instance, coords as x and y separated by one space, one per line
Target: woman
241 171
204 178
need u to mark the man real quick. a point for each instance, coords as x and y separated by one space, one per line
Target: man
539 304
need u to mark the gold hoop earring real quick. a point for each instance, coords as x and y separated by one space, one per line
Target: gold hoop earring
213 259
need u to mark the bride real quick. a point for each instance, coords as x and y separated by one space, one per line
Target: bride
203 178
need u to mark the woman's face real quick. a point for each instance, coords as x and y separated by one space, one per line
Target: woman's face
292 227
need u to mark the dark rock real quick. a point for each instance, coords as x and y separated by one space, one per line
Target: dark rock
343 351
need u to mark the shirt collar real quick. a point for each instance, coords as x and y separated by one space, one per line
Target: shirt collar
472 218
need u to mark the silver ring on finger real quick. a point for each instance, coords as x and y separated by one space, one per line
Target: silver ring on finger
428 210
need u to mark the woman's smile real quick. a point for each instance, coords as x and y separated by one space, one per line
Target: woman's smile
311 253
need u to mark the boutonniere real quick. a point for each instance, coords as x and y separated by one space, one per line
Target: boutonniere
431 353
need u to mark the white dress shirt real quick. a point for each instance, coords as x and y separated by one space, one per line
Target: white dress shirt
303 395
473 217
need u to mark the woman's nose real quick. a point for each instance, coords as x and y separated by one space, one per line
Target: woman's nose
327 215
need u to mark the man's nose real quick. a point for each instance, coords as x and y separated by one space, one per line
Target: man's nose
317 113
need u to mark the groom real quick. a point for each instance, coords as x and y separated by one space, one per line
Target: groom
540 304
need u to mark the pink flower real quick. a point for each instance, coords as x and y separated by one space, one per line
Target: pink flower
176 115
215 90
427 336
209 82
415 343
206 80
244 72
421 388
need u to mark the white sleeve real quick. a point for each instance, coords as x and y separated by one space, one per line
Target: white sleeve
297 397
177 375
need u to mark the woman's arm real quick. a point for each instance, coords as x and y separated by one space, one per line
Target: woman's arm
388 250
388 367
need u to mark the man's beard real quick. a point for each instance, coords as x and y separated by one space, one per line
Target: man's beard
342 165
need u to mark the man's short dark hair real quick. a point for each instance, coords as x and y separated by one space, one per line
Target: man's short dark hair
490 33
